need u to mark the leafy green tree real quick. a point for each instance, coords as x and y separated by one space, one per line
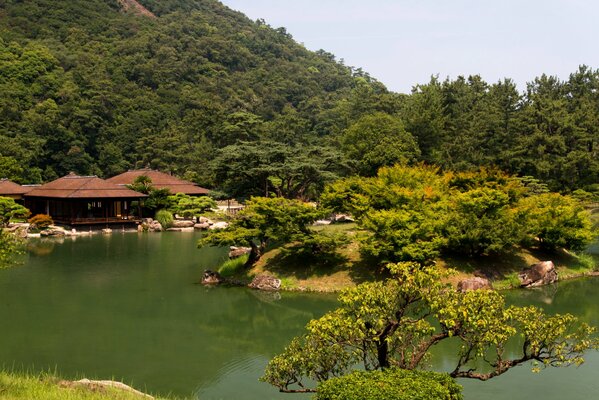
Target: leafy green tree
396 323
557 221
265 221
188 206
482 222
262 168
378 140
9 209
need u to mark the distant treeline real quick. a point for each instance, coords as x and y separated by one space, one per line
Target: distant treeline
206 93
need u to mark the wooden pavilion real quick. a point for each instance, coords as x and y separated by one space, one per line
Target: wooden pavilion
83 200
160 180
13 190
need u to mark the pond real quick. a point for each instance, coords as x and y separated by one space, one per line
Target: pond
128 306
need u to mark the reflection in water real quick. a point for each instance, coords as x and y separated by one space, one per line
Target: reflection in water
127 306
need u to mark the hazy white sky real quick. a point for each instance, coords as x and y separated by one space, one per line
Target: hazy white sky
404 42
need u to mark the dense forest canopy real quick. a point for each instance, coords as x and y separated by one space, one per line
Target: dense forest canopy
200 90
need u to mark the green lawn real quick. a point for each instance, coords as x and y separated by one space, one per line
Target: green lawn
48 387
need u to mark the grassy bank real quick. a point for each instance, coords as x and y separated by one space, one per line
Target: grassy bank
48 387
346 268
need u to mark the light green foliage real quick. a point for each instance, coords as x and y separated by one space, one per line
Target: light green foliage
47 387
165 218
557 221
482 222
415 213
10 247
188 206
395 324
378 140
392 384
231 267
9 209
265 220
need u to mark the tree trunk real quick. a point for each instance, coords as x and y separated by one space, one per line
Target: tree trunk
382 349
255 254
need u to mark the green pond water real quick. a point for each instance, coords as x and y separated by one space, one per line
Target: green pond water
127 306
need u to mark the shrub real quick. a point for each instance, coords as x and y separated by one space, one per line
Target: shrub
41 221
391 384
9 209
165 218
233 266
557 221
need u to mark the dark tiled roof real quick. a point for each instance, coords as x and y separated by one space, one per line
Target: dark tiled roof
8 187
160 180
83 187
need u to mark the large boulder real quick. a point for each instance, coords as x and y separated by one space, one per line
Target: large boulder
539 274
211 278
236 252
183 224
202 226
265 282
475 283
219 225
204 220
100 386
53 231
155 226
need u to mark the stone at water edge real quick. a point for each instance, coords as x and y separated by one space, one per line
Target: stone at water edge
204 220
93 386
236 252
265 282
183 224
219 225
202 226
211 278
539 274
475 283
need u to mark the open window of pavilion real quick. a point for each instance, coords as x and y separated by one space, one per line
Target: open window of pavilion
84 200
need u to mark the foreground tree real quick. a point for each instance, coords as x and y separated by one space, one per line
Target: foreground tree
265 220
9 209
396 323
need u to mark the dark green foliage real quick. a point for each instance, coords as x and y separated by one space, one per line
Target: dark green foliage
267 167
88 88
265 221
188 206
391 384
378 140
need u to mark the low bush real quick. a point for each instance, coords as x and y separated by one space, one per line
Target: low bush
40 221
233 266
165 218
390 384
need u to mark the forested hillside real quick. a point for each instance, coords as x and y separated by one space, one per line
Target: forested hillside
197 89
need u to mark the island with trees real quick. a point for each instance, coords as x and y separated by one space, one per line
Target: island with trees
392 200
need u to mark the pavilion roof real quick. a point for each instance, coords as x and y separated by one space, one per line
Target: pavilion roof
8 187
83 187
160 180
